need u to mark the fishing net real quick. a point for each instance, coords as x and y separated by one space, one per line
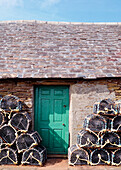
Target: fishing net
20 121
2 119
36 137
8 134
25 141
110 139
8 156
10 102
77 156
35 156
106 106
116 157
116 123
87 139
95 123
99 156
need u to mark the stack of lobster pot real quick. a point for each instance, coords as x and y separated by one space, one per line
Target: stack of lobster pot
18 145
99 142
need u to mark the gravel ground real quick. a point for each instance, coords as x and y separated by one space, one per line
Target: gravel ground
58 164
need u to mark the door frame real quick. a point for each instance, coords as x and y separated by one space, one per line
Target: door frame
35 86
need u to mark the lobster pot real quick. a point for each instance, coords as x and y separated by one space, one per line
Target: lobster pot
8 156
2 144
118 104
95 123
36 137
77 156
116 124
3 119
109 121
116 157
8 134
10 103
99 157
110 139
34 156
87 138
25 141
20 121
106 106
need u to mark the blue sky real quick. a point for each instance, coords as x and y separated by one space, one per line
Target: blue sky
61 10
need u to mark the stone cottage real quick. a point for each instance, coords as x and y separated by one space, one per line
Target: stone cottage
59 70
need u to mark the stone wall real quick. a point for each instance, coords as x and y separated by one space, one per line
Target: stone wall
82 97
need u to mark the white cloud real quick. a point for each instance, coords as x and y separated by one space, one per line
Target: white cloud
49 3
11 3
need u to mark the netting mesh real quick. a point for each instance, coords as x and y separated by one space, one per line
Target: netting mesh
116 157
110 139
2 119
20 121
99 156
34 156
8 134
8 156
116 123
107 106
87 138
10 102
24 142
95 123
101 135
36 137
77 156
16 137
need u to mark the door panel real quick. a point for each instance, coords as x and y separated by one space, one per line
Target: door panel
51 117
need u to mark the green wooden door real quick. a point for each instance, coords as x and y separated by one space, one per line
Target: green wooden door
51 117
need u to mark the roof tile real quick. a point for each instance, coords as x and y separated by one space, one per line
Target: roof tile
40 49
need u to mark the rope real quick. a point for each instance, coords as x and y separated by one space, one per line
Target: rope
108 142
100 159
7 156
89 141
32 157
106 110
78 158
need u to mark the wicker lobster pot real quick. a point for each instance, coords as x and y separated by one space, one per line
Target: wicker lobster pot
87 138
116 157
106 106
110 139
8 156
34 156
99 157
27 140
77 156
8 134
116 123
95 123
20 121
10 102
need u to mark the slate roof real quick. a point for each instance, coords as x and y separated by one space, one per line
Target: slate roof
35 49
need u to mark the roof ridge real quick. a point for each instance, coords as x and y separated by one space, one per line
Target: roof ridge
61 22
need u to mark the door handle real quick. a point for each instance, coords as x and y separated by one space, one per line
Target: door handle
63 124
